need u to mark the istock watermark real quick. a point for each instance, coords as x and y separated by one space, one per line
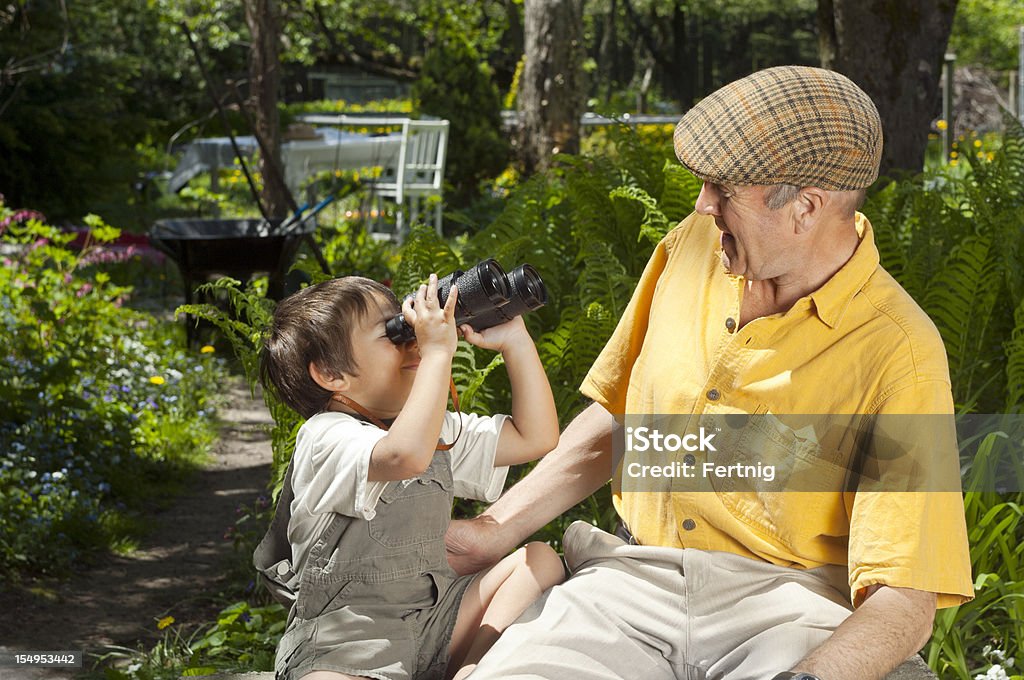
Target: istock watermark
766 452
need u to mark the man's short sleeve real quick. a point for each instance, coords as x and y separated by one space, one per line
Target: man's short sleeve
911 532
473 455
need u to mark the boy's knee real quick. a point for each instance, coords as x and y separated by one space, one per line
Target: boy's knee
542 559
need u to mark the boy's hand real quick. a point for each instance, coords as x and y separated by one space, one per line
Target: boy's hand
499 338
434 325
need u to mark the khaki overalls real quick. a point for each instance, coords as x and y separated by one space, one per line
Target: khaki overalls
376 598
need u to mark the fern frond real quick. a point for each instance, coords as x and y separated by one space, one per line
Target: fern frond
960 301
423 253
604 279
632 205
679 195
1015 363
473 397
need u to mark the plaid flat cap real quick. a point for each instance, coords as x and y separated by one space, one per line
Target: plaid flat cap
784 125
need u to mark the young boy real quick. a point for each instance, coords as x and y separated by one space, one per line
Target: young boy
357 544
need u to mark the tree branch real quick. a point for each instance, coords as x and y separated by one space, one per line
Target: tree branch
346 56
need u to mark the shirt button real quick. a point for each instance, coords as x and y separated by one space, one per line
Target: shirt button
713 394
689 524
689 459
730 323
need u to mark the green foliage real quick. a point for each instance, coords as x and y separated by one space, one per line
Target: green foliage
242 315
81 84
693 46
457 86
95 420
954 240
985 33
243 638
388 33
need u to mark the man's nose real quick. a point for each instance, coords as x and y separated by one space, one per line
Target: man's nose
707 200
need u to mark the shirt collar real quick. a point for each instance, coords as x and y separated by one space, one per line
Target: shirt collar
832 299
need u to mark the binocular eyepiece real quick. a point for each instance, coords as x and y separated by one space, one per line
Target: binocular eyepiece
487 297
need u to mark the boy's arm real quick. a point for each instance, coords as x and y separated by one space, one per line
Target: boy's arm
408 447
532 430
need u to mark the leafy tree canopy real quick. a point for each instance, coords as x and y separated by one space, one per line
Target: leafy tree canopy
986 32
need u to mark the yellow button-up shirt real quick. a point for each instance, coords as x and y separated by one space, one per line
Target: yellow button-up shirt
857 345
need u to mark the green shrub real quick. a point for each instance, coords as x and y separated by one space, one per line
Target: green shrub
456 84
100 408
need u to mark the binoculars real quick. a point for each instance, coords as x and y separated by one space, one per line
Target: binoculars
487 297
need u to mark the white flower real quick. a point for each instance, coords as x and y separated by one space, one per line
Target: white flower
996 673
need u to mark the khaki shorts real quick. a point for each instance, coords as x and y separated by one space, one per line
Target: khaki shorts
632 611
383 632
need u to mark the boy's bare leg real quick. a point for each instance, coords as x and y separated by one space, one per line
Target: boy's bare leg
496 598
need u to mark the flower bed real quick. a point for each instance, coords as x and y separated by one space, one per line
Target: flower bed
101 407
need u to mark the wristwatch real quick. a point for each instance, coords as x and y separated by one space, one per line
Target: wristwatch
789 675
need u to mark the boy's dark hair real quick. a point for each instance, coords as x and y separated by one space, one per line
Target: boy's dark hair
314 326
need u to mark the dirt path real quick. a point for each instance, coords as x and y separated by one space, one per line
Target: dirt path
178 569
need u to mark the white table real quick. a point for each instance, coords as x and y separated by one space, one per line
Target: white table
335 149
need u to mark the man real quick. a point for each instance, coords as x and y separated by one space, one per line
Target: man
769 299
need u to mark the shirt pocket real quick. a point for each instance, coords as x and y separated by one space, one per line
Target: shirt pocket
416 511
785 476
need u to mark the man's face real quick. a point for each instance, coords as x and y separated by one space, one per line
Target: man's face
757 242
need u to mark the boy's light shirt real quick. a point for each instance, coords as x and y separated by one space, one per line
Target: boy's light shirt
332 461
678 342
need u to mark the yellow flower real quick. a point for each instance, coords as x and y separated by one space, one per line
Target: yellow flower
953 154
977 143
981 154
991 155
157 380
164 622
941 124
954 162
206 349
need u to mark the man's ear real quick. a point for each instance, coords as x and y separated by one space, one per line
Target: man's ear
809 207
330 383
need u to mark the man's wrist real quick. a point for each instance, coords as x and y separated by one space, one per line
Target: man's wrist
790 675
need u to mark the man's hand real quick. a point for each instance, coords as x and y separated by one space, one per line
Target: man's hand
471 543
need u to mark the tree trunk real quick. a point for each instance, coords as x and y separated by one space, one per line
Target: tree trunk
892 49
552 92
264 80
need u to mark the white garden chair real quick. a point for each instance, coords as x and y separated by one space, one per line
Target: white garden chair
418 176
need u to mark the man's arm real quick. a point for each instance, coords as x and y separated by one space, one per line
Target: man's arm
576 468
891 625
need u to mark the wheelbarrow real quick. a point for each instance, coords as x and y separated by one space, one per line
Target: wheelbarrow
240 248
